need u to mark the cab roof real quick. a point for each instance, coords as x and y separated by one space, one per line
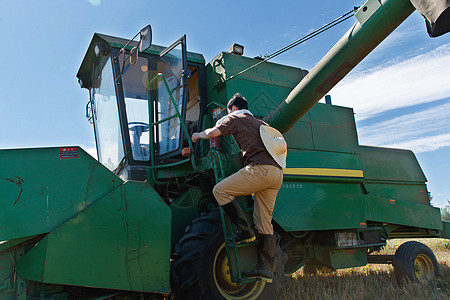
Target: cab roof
84 73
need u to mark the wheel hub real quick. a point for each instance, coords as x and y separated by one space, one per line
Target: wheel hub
423 268
226 274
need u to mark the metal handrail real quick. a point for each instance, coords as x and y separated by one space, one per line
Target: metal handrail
215 153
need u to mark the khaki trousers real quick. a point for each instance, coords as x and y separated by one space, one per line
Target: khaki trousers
262 180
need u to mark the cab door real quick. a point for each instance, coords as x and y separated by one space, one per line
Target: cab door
168 91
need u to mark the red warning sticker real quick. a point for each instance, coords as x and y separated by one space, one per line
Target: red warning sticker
68 152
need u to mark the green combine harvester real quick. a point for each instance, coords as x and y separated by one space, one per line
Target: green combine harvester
141 222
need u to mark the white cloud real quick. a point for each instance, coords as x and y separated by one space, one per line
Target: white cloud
95 2
422 79
410 141
422 131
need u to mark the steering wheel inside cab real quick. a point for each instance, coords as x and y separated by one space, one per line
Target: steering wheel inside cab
140 149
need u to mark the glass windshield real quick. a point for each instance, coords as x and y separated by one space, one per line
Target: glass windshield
134 82
168 132
106 119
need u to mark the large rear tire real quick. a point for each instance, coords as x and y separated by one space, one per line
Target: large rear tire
200 269
416 262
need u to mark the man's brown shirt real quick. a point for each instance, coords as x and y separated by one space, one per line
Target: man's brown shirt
245 130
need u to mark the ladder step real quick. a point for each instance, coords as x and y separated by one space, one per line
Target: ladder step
231 245
242 280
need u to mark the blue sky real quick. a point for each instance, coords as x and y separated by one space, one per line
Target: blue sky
400 92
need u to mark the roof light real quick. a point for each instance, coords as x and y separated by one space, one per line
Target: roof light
100 49
237 49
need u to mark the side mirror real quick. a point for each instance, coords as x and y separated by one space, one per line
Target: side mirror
144 43
145 38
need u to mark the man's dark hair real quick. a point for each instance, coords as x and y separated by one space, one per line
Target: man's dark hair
239 101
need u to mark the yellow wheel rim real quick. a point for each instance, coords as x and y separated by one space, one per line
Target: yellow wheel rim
225 271
423 268
228 289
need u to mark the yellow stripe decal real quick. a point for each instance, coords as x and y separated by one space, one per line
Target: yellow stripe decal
323 172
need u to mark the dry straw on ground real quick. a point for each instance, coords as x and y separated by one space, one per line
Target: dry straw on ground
373 281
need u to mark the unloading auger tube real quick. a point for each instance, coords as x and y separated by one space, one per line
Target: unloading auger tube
376 20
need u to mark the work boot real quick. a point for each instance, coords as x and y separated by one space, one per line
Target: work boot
244 233
267 244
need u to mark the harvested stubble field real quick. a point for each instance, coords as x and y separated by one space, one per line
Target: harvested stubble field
373 281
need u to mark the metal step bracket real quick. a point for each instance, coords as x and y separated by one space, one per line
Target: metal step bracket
233 261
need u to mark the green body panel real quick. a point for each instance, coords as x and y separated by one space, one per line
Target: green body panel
445 230
339 258
403 191
386 164
348 258
122 241
318 206
396 189
325 128
333 128
319 159
32 265
40 190
300 136
402 213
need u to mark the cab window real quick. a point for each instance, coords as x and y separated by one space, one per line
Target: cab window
106 119
135 81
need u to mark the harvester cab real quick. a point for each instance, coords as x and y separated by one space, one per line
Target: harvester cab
141 104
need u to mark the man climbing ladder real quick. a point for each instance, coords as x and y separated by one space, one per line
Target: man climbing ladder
264 151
